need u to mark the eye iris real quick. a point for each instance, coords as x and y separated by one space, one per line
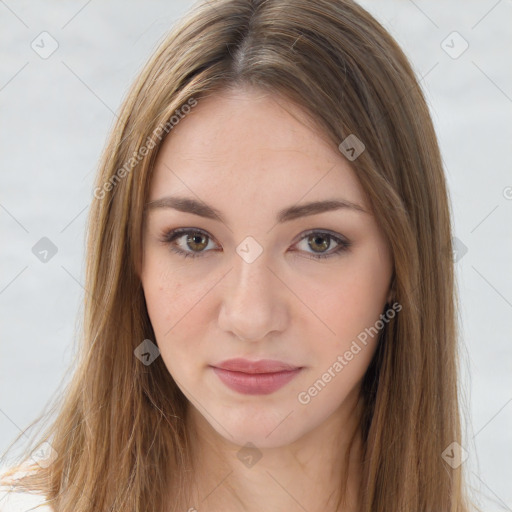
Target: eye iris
193 239
316 238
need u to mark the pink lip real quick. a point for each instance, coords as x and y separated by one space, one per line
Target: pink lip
262 366
255 377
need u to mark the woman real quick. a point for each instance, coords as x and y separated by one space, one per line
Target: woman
270 316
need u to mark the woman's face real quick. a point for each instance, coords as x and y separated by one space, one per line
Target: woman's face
258 271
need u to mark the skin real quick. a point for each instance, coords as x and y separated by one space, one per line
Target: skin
250 154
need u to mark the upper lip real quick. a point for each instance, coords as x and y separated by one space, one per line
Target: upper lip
261 366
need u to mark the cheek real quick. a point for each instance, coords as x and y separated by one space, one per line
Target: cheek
169 303
176 302
355 298
168 292
160 294
167 299
351 308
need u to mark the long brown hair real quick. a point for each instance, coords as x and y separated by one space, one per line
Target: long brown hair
120 435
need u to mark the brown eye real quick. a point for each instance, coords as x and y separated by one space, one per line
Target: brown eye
197 241
187 242
194 243
319 243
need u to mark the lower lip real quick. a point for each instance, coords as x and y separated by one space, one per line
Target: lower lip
255 383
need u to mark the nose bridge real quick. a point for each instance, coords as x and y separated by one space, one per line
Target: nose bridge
251 278
253 302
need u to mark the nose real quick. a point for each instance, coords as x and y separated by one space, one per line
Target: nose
255 302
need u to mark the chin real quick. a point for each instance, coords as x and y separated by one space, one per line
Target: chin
262 430
260 438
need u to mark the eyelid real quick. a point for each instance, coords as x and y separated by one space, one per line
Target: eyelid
333 234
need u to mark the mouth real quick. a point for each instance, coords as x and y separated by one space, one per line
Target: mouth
255 377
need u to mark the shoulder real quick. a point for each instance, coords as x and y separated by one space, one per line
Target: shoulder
12 500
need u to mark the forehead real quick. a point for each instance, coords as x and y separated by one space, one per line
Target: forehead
253 146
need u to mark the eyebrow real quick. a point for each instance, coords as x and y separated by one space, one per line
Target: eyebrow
190 205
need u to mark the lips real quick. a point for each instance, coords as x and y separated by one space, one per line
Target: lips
255 377
261 366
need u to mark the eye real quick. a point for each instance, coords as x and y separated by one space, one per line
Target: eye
189 242
194 239
320 241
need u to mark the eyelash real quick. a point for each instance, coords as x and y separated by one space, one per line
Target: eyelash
168 238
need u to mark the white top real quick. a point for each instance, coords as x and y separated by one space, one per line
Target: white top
19 501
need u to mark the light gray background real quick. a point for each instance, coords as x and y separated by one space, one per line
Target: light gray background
55 116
